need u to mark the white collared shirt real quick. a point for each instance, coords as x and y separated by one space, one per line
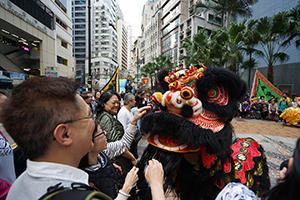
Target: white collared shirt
33 183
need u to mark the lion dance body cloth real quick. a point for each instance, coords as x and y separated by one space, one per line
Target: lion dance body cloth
191 135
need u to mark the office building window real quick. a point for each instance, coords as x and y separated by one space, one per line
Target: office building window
64 44
80 50
80 20
61 5
80 38
80 32
60 22
80 2
80 8
80 14
78 44
80 26
80 62
62 60
214 19
80 55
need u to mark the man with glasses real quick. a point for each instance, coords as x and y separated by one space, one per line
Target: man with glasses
54 127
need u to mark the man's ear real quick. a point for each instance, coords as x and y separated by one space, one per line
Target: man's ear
61 135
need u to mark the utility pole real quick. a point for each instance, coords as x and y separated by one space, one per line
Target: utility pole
89 47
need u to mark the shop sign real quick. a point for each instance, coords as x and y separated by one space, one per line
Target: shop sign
145 80
52 71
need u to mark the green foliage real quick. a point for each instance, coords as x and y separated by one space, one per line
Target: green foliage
225 8
293 31
150 69
273 32
197 50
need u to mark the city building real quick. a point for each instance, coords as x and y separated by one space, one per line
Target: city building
147 13
152 44
173 13
122 32
196 22
129 64
105 42
136 59
80 38
36 39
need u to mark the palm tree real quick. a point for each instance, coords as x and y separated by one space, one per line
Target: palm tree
225 8
197 49
219 46
149 70
235 33
294 28
272 40
164 62
250 38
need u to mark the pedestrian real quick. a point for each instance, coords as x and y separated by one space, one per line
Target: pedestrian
53 126
7 169
288 99
283 104
128 88
245 109
255 110
112 86
125 116
107 110
88 98
295 103
273 111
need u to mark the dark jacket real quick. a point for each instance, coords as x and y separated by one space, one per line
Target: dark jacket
256 105
115 131
111 87
106 178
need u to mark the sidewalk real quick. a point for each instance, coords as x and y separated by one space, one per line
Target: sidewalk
277 140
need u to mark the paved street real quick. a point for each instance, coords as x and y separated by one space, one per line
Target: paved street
277 140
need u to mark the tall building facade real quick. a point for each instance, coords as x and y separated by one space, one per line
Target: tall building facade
136 58
148 11
173 13
36 39
147 18
129 64
152 35
80 38
122 31
105 42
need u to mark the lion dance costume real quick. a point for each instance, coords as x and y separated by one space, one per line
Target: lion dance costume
191 135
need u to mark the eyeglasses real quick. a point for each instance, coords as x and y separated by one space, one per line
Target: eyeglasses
74 120
103 131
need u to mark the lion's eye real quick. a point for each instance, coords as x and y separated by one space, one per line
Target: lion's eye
212 93
187 93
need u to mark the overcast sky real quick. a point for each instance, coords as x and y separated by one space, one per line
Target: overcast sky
132 11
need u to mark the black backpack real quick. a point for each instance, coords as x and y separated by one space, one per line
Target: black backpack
78 191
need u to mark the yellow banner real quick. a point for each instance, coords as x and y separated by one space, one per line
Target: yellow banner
115 77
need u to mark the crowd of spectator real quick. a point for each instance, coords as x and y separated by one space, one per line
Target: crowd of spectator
259 108
75 147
